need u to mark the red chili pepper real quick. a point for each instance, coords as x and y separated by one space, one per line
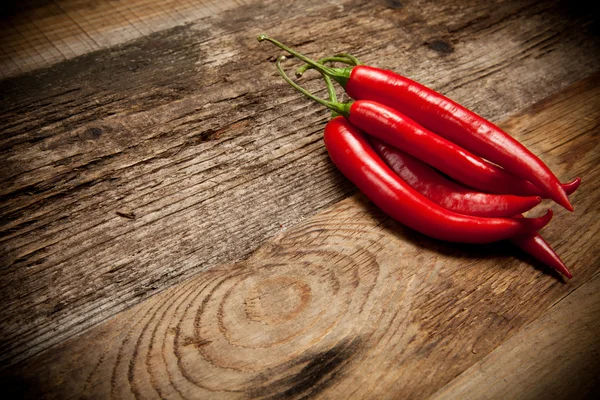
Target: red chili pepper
457 198
536 246
455 122
390 126
446 193
351 153
572 186
445 117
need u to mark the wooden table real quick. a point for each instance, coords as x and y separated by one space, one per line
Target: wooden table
171 225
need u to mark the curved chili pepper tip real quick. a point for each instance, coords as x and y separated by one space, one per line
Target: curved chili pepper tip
563 200
571 187
261 37
536 246
538 223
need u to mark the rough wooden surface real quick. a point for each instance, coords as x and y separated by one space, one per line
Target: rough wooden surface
37 34
557 356
132 169
349 304
128 170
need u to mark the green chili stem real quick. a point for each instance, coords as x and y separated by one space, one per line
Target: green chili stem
355 61
330 89
340 75
332 94
342 58
340 108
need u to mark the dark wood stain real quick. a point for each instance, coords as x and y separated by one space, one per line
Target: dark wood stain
92 133
394 4
319 371
441 46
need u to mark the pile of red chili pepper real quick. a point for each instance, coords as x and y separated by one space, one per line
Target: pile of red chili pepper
430 163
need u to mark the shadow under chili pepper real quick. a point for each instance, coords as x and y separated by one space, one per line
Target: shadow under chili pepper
538 265
466 251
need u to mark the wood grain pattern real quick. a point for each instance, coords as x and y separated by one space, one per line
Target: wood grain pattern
38 34
557 356
129 170
346 304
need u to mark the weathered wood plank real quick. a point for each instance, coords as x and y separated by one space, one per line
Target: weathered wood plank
346 304
129 170
557 356
39 34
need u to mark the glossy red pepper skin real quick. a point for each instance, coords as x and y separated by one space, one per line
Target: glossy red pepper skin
457 198
394 128
536 246
446 193
571 187
456 123
351 152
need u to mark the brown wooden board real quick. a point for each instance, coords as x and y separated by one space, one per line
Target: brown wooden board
129 170
36 34
350 304
557 356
